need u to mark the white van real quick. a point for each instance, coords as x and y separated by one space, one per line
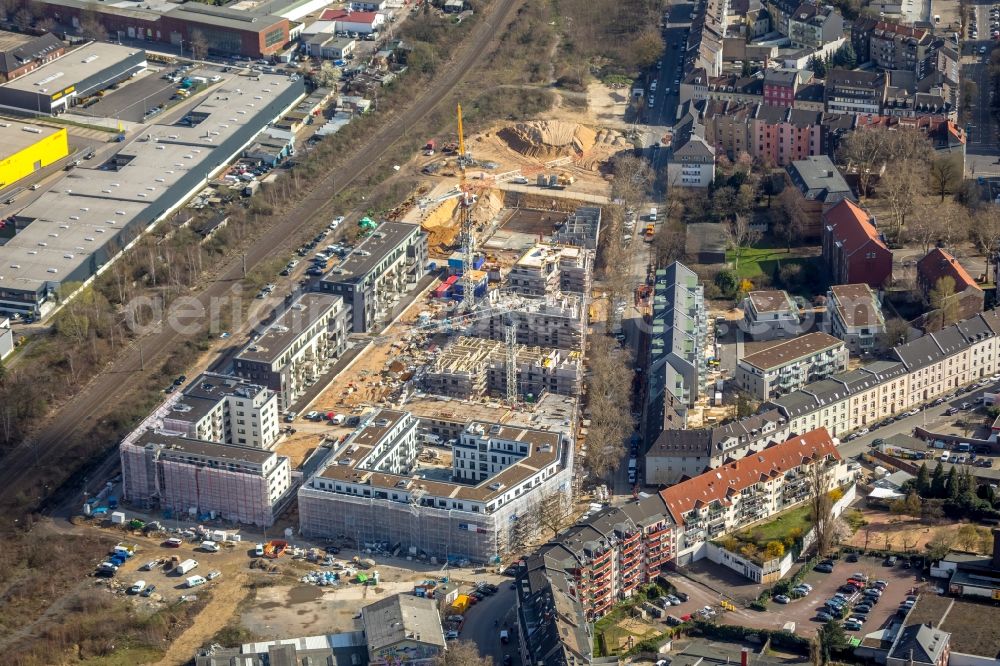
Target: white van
209 546
652 214
195 581
185 567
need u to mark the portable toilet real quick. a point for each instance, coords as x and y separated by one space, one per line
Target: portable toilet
118 518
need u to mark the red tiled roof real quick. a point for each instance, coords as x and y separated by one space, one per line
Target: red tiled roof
346 15
852 226
718 484
937 264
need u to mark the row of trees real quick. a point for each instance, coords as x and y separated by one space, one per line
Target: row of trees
955 494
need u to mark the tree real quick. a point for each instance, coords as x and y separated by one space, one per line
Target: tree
92 28
940 544
952 483
632 179
774 549
462 653
821 505
899 191
897 507
789 219
914 507
863 152
937 481
830 637
968 536
923 480
670 243
740 235
944 172
199 45
897 331
647 48
818 67
944 305
725 280
328 76
552 510
845 57
985 541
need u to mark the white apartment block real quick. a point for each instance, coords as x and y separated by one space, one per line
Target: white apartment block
790 365
770 315
855 316
227 409
375 490
297 347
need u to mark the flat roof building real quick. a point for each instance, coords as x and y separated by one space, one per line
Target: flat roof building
378 272
20 53
26 149
374 490
57 85
791 364
296 347
770 315
402 627
73 231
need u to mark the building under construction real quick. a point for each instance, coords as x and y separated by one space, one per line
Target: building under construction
204 451
480 511
546 269
471 368
557 320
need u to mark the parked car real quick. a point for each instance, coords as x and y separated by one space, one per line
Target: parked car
853 557
781 598
682 596
148 592
823 568
890 561
823 616
138 587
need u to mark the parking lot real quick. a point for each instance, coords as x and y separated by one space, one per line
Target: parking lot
803 611
132 101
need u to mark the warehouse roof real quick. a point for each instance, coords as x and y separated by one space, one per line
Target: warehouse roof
16 136
77 65
400 618
90 206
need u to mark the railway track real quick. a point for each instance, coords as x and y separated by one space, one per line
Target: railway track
20 468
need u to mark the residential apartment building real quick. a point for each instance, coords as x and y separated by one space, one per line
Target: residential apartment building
855 92
891 46
677 369
812 26
855 316
548 269
820 186
770 315
938 264
749 490
378 273
692 164
296 347
203 478
224 408
21 53
791 365
783 135
853 250
371 491
780 85
699 85
677 454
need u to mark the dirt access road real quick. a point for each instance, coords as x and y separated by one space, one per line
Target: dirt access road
18 470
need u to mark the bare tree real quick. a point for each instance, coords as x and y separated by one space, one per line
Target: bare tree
821 505
462 653
789 218
945 173
897 331
740 235
899 191
328 76
92 28
944 303
199 45
632 178
863 153
552 510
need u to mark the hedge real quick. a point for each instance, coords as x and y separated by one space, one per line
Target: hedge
778 638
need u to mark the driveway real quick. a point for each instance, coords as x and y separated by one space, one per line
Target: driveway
484 621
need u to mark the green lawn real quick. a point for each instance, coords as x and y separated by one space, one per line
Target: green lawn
756 260
779 527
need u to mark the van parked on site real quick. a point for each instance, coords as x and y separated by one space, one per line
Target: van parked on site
195 581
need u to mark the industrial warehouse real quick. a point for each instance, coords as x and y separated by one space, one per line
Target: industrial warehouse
57 85
26 149
72 231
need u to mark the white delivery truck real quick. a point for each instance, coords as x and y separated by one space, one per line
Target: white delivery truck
195 581
186 566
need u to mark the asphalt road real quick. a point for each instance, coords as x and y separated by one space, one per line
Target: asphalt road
18 470
484 621
982 154
671 66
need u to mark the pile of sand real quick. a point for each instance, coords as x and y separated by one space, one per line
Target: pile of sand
444 222
547 140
